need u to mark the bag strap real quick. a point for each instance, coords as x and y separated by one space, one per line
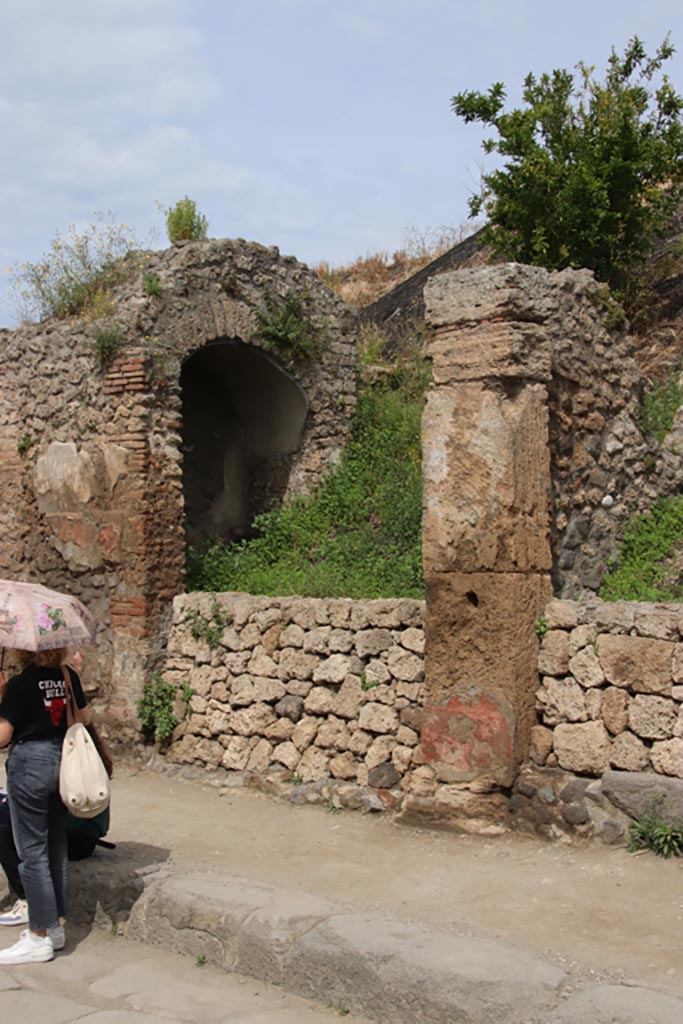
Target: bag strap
73 712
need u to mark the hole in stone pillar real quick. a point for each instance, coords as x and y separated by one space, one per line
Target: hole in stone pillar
243 419
472 598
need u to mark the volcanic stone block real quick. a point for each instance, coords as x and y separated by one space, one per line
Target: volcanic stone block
485 472
482 650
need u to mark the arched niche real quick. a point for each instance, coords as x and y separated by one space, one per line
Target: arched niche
243 418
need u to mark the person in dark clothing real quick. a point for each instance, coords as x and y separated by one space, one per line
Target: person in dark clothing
33 719
82 836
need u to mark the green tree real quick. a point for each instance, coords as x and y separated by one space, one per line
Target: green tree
592 170
184 222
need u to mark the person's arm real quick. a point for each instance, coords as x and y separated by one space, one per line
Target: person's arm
6 732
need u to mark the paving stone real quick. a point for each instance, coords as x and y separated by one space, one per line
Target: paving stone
618 1004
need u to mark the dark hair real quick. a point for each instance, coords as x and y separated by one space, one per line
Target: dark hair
42 659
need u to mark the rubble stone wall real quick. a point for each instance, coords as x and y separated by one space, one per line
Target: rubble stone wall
327 693
91 457
611 693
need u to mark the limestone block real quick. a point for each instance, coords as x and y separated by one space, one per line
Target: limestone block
241 691
407 736
253 720
500 349
259 758
349 698
614 616
642 665
236 662
304 732
380 750
377 672
504 291
541 744
382 695
653 718
677 693
378 718
266 689
262 665
317 641
236 754
677 665
401 758
314 765
585 667
584 747
658 623
370 642
320 701
413 639
582 636
344 766
615 709
294 664
667 757
408 668
333 733
553 657
341 640
334 669
412 692
481 629
561 614
594 703
198 705
299 687
629 753
360 742
250 636
485 475
561 700
422 781
292 636
474 813
281 729
218 722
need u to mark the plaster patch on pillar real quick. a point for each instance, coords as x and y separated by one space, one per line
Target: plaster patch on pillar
473 733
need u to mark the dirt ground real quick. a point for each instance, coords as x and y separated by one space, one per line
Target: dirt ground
594 909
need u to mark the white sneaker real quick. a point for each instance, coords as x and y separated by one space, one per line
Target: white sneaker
30 949
58 936
17 915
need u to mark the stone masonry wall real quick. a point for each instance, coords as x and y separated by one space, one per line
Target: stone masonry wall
611 694
91 458
319 697
609 736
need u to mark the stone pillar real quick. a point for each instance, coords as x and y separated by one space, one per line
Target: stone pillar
485 521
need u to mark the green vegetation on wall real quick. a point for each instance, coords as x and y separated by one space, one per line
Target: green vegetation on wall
359 535
659 405
285 327
650 562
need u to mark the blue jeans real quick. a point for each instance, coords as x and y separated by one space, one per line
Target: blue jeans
39 827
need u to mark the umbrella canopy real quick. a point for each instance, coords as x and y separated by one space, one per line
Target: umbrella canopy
35 618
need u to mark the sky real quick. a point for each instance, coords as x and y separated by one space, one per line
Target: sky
321 126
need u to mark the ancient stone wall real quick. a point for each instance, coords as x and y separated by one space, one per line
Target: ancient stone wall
91 459
317 698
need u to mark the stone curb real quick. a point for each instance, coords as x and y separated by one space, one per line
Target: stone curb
365 963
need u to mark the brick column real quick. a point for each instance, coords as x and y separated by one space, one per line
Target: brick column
485 520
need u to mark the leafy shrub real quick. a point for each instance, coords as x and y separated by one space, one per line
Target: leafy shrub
79 266
285 327
151 284
155 707
649 541
360 535
106 342
591 170
659 406
651 831
184 222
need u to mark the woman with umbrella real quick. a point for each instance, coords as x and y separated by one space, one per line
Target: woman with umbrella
33 720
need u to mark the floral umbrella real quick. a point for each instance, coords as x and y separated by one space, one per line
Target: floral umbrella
34 618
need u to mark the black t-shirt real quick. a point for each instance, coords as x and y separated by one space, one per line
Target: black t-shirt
35 703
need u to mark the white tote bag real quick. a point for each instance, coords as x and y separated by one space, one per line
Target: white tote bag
83 780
